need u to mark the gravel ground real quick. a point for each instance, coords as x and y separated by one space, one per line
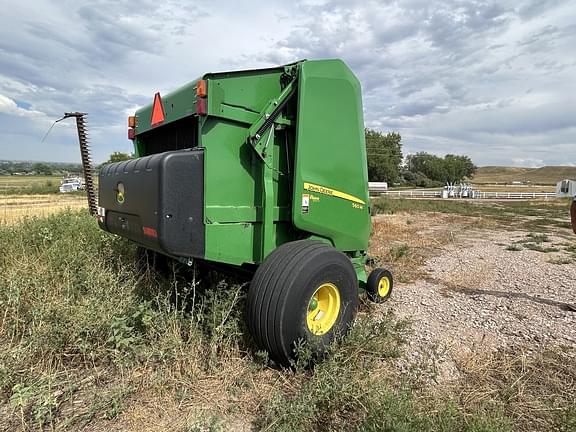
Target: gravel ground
478 297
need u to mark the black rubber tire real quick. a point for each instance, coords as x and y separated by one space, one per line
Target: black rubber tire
279 294
372 285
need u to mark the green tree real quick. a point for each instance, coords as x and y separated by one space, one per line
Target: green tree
428 165
384 153
450 168
118 157
42 169
458 167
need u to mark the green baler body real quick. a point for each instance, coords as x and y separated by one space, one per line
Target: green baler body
305 179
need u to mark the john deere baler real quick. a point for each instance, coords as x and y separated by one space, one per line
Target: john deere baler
261 169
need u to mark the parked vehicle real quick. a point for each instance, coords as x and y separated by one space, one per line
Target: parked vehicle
71 184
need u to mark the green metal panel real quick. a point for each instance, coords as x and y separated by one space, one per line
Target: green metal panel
331 174
230 243
237 95
177 104
233 171
245 90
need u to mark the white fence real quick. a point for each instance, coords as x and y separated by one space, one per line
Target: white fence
477 194
515 195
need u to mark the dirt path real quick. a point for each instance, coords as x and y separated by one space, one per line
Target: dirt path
478 294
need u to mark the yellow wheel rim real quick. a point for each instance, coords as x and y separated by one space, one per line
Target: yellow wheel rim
383 287
323 309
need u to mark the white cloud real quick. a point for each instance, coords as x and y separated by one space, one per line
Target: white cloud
9 106
529 163
494 80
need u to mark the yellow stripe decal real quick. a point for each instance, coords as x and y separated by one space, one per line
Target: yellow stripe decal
332 192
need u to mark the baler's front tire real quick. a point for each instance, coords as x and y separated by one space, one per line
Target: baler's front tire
304 291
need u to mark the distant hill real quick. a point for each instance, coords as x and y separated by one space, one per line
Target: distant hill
548 175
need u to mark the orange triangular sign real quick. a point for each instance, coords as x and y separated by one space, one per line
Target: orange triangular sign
157 111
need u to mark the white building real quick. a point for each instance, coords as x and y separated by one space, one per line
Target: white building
566 188
376 188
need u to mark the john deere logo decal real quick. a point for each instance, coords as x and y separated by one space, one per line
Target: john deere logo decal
311 187
120 193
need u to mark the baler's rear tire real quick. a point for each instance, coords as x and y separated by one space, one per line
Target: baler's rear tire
304 291
379 285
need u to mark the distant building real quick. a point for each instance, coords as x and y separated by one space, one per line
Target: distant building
376 188
566 188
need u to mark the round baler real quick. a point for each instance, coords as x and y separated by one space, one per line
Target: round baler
262 170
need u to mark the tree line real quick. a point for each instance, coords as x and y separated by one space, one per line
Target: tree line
37 168
386 163
51 168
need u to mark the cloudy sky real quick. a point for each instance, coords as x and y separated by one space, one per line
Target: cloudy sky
493 80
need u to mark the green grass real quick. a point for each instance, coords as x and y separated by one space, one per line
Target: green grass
33 185
536 242
562 261
538 238
84 336
539 248
72 301
33 188
399 252
351 391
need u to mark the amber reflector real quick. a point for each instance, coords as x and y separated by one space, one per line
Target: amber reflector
201 89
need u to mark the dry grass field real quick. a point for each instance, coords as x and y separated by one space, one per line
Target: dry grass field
486 187
28 196
479 335
14 208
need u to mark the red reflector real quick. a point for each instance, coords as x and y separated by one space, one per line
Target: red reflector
131 134
150 232
157 111
201 107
